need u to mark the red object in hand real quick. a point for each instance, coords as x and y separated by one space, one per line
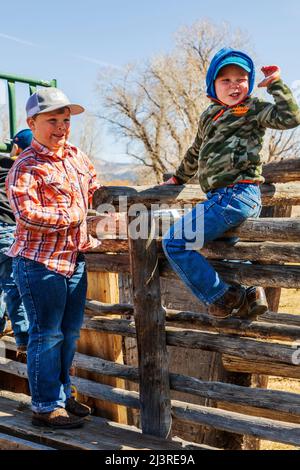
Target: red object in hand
271 73
172 180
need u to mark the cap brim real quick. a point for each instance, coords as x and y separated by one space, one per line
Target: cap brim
245 67
14 149
74 109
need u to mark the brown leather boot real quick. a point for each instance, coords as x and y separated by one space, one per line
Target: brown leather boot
57 419
232 304
76 408
257 301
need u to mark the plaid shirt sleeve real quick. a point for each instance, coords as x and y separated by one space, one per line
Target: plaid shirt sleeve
22 191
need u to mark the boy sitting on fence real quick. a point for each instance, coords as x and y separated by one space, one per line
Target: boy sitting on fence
226 153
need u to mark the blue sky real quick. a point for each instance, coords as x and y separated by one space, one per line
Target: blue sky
71 41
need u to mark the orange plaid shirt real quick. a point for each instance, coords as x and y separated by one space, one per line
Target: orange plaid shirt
49 196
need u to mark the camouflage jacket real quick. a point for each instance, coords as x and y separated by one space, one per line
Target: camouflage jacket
229 139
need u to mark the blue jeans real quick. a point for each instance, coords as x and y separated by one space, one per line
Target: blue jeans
55 308
224 208
10 300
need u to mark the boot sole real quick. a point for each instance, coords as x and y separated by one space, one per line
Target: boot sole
258 310
41 424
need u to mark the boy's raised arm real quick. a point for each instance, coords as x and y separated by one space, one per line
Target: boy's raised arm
285 113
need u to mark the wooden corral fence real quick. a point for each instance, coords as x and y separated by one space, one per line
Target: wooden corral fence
150 355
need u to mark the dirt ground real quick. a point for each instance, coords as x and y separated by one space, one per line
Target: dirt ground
289 303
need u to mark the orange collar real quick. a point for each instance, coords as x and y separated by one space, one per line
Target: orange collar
226 106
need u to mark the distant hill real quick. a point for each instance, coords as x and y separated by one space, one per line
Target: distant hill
130 172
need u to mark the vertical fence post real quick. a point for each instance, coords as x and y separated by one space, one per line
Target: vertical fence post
12 107
32 89
155 405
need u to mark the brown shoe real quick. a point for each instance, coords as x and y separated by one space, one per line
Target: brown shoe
57 419
257 301
232 304
76 408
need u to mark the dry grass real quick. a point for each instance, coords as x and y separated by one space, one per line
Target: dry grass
289 303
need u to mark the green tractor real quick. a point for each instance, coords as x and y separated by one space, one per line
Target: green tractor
11 80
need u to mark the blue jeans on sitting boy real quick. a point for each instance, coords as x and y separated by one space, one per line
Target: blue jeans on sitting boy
10 300
55 308
224 209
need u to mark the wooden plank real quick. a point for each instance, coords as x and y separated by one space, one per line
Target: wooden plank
269 326
274 401
15 443
241 273
94 306
151 336
272 195
259 412
263 428
195 339
244 328
107 263
104 308
111 246
249 274
283 171
270 229
268 252
276 369
274 229
97 433
283 318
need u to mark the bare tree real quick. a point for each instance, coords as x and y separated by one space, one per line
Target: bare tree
4 125
282 144
90 138
155 108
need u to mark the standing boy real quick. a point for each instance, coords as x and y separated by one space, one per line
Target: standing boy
226 152
49 189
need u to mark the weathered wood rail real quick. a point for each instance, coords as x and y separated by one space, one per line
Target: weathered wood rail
247 349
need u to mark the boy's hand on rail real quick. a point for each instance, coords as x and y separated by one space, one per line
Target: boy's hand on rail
271 73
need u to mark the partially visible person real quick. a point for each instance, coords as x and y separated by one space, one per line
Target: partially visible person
10 300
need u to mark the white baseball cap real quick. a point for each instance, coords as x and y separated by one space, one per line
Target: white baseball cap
49 99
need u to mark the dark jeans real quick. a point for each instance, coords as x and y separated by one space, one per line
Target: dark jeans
55 308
